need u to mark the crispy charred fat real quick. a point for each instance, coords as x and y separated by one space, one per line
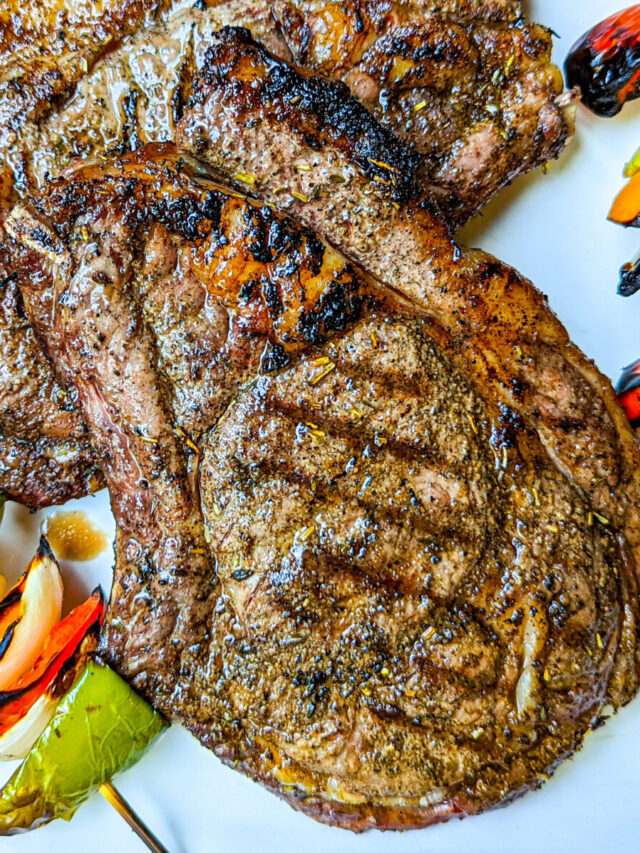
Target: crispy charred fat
470 85
425 542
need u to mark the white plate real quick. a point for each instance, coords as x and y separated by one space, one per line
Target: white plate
553 229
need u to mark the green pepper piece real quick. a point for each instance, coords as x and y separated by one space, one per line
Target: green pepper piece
101 726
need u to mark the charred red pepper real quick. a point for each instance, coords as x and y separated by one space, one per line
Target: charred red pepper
630 278
59 647
605 63
628 391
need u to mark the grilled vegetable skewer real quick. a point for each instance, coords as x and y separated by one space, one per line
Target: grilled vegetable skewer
605 63
72 745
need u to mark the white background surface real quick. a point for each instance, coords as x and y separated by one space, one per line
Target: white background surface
553 229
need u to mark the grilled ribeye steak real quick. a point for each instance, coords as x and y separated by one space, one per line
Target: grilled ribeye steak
424 528
72 84
469 85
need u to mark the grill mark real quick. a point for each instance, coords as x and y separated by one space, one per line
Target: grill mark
361 434
336 493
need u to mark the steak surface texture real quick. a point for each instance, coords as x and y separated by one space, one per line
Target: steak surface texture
469 85
385 559
79 79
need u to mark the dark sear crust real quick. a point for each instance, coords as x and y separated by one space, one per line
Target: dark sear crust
470 85
418 585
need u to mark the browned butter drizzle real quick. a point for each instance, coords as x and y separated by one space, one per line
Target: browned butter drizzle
73 536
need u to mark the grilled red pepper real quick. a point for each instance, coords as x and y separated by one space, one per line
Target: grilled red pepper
630 278
59 647
605 63
628 391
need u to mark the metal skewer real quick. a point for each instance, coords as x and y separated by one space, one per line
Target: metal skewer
115 799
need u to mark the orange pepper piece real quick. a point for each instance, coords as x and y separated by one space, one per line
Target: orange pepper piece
626 207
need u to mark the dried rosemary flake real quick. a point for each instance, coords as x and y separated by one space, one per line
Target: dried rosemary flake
307 532
323 359
366 690
198 551
379 180
373 339
590 519
144 437
382 165
303 167
322 373
85 234
356 413
246 179
536 496
420 106
599 641
190 444
300 196
546 675
601 519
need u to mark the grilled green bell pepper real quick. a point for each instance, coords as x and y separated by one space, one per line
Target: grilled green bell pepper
101 726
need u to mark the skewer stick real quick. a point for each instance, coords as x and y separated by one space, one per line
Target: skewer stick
115 799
